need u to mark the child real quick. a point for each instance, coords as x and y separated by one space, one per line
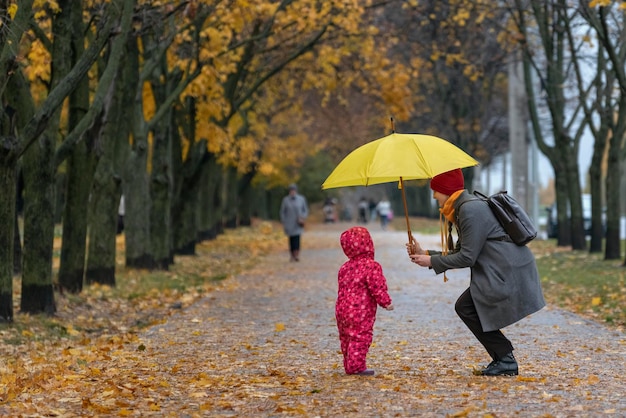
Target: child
362 286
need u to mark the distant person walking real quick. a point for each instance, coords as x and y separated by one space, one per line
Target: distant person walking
504 282
361 288
372 208
121 211
293 213
363 209
384 212
330 213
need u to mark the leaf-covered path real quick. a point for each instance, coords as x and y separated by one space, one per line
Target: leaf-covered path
266 344
269 346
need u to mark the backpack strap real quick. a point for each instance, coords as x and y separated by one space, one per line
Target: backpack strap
480 195
457 210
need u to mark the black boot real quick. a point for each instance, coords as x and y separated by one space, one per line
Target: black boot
504 366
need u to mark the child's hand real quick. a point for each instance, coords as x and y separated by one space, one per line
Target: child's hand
390 307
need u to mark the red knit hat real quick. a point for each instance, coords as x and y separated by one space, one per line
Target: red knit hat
449 182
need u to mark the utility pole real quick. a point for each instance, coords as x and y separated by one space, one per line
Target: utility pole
518 140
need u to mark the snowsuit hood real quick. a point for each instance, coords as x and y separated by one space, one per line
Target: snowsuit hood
356 242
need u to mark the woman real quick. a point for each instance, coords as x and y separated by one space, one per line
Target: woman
293 212
504 285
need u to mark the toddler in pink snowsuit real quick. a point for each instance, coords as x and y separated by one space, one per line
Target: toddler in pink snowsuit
362 286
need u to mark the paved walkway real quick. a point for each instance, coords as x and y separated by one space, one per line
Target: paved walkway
266 345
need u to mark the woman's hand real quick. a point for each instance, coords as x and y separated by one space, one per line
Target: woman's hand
421 260
390 307
414 247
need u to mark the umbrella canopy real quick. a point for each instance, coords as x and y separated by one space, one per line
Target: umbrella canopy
398 157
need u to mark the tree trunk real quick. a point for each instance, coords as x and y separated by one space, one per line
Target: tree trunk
87 125
210 212
40 185
564 233
161 196
185 220
247 206
107 188
230 195
545 62
102 226
107 185
19 209
596 187
579 241
185 213
420 200
17 247
611 108
245 200
261 202
7 211
80 168
138 208
39 179
135 180
18 107
613 175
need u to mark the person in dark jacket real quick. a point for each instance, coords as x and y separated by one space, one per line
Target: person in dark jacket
504 285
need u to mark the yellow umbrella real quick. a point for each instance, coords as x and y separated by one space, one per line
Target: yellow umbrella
398 157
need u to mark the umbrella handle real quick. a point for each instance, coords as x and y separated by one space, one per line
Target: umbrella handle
412 243
406 216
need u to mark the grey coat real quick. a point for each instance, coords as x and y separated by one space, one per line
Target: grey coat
504 285
293 208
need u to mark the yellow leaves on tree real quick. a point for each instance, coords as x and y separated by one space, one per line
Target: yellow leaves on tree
461 17
600 3
41 7
396 91
11 11
149 103
216 42
38 69
255 138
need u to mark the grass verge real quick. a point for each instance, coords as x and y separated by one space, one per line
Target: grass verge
582 283
141 298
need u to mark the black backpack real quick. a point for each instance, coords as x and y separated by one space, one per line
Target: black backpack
511 216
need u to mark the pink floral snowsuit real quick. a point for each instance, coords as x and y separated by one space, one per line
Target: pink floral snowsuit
362 286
